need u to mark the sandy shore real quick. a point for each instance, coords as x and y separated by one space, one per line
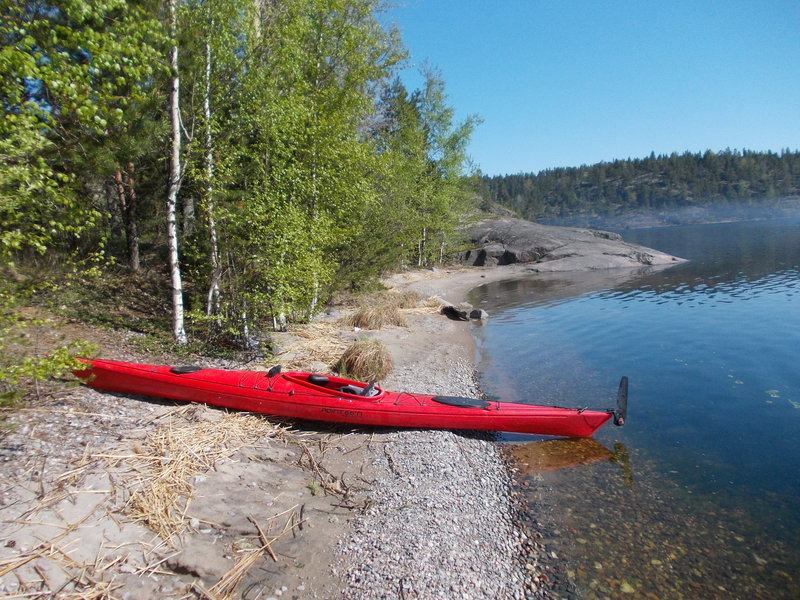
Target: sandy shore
111 496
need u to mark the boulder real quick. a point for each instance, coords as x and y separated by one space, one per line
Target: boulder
506 240
457 314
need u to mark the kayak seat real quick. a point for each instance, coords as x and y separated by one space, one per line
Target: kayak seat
368 392
318 379
351 389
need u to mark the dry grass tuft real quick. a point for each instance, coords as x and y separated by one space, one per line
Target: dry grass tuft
367 360
375 317
322 343
401 300
431 305
175 453
384 308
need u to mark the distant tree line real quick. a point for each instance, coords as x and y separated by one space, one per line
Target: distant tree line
653 183
263 153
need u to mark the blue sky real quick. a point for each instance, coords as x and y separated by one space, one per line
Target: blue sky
561 83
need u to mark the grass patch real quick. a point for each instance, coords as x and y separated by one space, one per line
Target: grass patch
366 360
117 300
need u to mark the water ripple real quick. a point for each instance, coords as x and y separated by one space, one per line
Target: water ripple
710 347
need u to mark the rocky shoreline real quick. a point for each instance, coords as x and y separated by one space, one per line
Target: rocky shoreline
443 520
269 509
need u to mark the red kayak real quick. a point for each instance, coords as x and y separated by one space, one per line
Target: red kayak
330 398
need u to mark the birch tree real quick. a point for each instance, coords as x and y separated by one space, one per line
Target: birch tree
212 303
178 329
293 139
421 191
445 195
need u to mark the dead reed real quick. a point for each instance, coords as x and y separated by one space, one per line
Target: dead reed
173 454
385 308
398 299
227 587
431 305
321 342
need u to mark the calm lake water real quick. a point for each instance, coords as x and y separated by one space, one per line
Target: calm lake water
698 496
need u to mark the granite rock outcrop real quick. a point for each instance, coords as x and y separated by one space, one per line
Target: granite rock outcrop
506 240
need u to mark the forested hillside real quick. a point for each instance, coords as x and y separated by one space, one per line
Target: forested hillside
650 184
258 154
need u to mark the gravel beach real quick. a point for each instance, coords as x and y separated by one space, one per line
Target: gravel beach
94 504
442 521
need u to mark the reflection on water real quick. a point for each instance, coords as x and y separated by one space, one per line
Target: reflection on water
711 350
566 453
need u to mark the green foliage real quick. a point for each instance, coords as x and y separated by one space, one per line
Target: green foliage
293 170
307 180
17 366
421 190
40 368
662 182
68 71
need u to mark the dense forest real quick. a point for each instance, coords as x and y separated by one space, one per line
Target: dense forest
650 184
259 154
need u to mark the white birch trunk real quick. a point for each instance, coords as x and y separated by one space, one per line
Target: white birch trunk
421 246
258 15
212 306
178 331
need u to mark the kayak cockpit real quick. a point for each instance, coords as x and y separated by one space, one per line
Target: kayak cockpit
334 385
